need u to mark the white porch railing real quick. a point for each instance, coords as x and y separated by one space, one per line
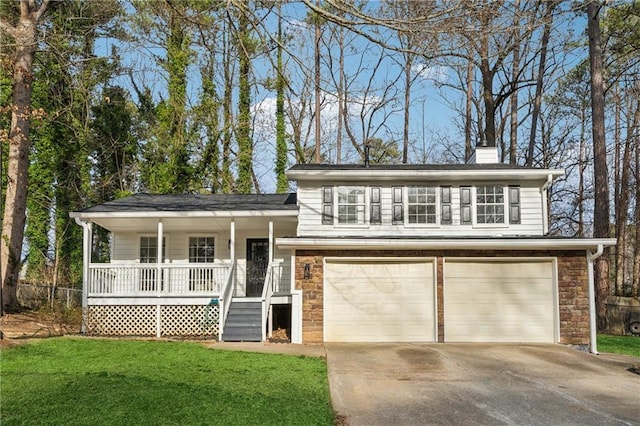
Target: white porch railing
108 279
225 301
276 282
280 278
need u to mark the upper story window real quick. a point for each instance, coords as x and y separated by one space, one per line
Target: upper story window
351 205
421 205
490 204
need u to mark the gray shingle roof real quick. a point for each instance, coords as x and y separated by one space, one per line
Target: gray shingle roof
197 202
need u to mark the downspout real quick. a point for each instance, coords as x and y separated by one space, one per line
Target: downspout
159 290
591 257
86 261
545 207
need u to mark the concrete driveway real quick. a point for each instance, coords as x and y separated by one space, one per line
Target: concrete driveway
476 384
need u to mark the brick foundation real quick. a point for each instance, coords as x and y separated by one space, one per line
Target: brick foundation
572 286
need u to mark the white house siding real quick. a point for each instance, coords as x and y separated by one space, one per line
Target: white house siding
310 217
126 247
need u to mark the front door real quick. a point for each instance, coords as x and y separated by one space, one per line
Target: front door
257 263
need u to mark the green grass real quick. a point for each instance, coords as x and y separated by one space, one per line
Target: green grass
627 345
75 381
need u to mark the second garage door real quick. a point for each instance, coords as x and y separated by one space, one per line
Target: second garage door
499 301
379 300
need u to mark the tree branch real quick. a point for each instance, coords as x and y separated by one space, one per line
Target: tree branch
43 7
8 28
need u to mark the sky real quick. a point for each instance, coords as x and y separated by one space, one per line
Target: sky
435 106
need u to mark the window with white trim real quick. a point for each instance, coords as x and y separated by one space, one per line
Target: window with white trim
489 204
351 205
421 204
201 249
149 254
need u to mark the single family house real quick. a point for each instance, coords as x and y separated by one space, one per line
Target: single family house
360 253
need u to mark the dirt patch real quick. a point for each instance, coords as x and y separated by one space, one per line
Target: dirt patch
19 327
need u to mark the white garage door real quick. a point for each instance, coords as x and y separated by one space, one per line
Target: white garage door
499 301
379 300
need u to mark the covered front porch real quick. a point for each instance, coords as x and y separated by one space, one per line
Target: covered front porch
185 286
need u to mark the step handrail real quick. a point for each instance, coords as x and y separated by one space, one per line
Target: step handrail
267 292
225 301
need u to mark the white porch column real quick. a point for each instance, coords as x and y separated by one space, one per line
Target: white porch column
232 242
271 247
159 277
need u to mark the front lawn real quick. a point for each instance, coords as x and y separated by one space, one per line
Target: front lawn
627 345
75 381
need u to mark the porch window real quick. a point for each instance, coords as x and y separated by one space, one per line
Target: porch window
421 204
149 254
490 204
351 205
201 250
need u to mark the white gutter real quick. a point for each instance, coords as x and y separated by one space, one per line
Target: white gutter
593 345
154 214
545 207
86 261
298 243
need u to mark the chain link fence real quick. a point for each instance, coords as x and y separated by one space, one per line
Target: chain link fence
35 296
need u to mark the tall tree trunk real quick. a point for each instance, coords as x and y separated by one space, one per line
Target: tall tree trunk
537 102
601 178
227 117
282 184
620 216
24 35
177 63
468 146
245 145
489 101
317 156
341 103
582 165
635 282
513 103
407 106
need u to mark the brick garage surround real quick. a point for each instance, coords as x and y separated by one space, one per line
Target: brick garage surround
572 286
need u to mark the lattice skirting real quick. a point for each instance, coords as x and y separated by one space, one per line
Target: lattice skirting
175 320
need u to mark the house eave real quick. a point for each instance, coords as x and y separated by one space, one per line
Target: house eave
443 244
450 175
184 214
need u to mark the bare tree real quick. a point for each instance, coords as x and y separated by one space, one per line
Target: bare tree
601 176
